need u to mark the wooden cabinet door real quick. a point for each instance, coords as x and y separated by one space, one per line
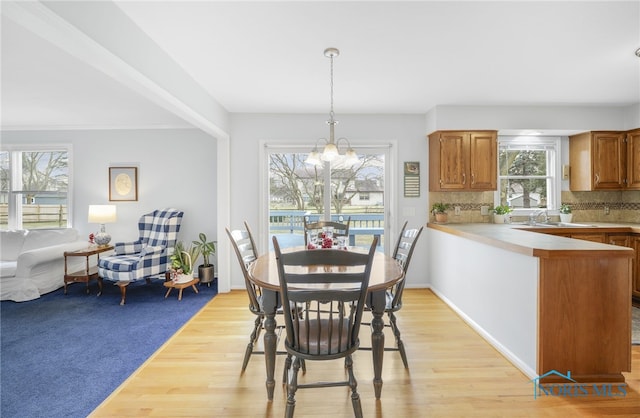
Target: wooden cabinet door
483 160
463 160
590 237
633 159
609 160
454 151
618 239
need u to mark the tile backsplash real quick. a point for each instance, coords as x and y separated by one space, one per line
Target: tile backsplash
623 206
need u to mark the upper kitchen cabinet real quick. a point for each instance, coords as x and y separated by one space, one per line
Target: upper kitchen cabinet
463 160
633 159
598 161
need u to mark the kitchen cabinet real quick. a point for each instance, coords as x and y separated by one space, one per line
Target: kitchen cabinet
597 161
593 237
635 284
463 161
618 239
633 159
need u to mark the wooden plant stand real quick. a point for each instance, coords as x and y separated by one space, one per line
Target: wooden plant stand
172 285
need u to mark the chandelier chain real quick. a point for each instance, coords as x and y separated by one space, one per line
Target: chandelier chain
331 85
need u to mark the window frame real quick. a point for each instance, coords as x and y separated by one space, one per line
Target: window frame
549 143
14 198
389 148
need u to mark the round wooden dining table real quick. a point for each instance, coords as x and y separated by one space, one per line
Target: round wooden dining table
385 272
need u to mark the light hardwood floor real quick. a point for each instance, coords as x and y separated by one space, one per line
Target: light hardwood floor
453 373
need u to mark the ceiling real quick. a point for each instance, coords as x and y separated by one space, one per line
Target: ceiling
395 57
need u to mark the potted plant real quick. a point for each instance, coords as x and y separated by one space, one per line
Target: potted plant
439 210
565 213
499 213
181 270
206 272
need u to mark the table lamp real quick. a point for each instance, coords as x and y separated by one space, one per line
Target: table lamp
102 214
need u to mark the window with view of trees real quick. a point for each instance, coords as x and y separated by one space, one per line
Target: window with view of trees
335 190
34 188
527 173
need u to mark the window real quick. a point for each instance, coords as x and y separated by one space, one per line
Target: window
34 187
528 170
296 190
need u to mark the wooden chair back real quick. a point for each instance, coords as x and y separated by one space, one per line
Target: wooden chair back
245 249
402 253
329 287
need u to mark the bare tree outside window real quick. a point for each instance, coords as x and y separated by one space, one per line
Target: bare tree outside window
34 189
527 168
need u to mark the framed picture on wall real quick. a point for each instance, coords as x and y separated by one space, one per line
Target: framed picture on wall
123 184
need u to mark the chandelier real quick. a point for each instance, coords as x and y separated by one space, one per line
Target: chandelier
331 151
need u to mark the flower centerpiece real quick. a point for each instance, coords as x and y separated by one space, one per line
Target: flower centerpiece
181 270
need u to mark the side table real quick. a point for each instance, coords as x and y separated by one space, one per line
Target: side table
89 272
172 285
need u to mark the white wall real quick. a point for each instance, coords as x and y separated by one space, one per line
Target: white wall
494 290
248 130
176 168
555 118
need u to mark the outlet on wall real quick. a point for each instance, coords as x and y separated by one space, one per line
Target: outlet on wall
484 210
606 210
456 210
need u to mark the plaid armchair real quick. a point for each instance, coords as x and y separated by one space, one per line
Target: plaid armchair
146 257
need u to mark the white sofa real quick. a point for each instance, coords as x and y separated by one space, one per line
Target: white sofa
32 261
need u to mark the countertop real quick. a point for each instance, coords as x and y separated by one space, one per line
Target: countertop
527 240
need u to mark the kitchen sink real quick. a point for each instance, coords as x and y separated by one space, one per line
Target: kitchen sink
561 225
571 225
554 224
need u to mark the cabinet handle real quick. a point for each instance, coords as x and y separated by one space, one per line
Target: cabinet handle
473 178
464 178
597 178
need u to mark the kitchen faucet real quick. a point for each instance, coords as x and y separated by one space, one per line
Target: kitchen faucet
533 216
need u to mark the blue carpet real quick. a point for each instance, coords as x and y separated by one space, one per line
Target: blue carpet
63 355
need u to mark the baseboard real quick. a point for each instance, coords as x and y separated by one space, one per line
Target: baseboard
515 360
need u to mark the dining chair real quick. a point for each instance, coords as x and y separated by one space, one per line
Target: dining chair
402 253
330 288
245 248
339 229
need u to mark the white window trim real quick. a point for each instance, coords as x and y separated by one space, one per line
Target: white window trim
12 221
553 200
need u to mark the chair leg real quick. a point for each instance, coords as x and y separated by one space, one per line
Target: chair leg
353 384
287 367
252 340
399 343
292 387
123 292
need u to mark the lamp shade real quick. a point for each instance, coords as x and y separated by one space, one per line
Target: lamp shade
102 214
330 152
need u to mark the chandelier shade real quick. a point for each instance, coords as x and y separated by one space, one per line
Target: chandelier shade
331 150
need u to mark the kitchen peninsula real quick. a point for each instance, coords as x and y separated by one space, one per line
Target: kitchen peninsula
548 303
